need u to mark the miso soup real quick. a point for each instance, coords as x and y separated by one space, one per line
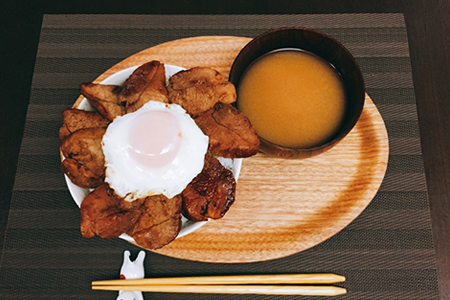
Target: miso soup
293 98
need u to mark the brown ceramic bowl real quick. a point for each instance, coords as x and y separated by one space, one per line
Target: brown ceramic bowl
323 46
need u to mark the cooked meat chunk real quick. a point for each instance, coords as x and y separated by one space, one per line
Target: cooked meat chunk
105 98
148 82
107 215
194 77
81 175
84 160
224 196
211 193
199 89
230 132
159 223
74 119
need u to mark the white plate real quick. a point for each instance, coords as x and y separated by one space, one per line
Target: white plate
78 193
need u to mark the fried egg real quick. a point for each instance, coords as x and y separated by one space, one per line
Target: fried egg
156 150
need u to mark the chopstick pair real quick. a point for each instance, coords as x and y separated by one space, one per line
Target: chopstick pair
247 284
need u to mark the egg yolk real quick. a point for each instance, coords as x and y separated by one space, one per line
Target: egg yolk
154 139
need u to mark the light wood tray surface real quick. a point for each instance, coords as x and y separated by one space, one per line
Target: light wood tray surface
282 206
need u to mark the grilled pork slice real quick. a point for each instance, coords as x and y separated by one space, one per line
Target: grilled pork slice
230 132
105 98
199 89
159 223
146 83
211 193
74 119
84 161
107 215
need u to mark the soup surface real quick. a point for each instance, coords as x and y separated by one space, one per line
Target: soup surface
293 98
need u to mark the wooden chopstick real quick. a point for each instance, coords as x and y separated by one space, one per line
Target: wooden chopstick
238 284
236 279
230 289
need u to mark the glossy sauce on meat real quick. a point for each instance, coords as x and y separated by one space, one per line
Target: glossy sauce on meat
211 193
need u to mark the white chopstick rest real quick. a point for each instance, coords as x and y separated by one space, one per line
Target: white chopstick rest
132 270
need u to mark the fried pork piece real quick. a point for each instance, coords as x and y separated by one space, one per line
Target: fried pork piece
84 160
107 215
230 132
159 223
105 98
74 119
199 89
148 82
211 193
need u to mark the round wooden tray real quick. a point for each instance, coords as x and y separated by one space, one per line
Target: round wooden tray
282 206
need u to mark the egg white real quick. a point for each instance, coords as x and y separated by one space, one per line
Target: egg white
133 181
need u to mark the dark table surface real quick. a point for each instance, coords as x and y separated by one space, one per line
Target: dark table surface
428 28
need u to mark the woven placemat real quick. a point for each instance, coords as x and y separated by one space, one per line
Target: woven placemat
386 253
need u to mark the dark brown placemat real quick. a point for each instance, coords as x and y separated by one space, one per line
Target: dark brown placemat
386 253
